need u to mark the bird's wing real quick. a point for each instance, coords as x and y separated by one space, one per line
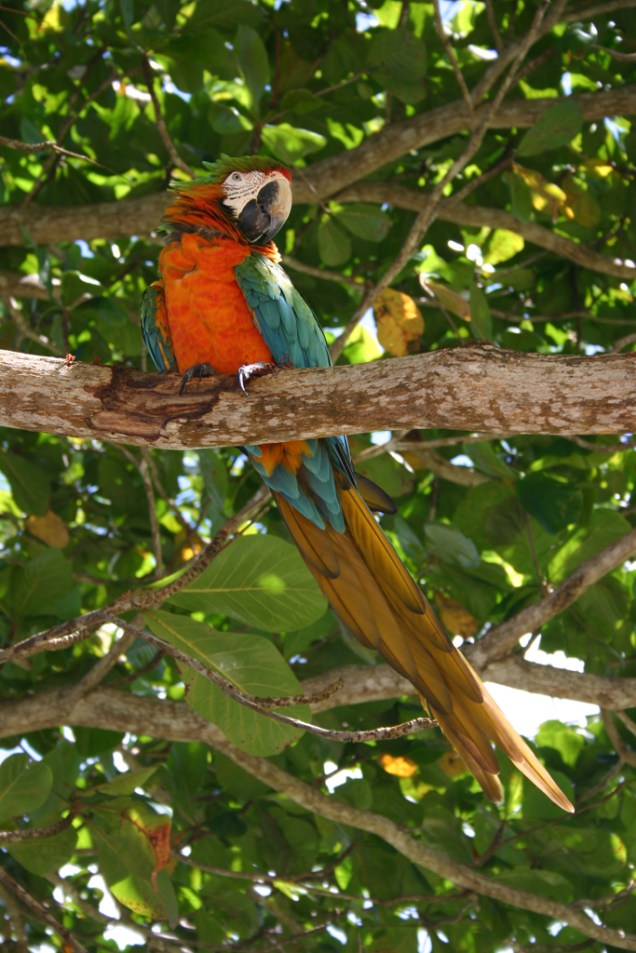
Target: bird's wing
155 328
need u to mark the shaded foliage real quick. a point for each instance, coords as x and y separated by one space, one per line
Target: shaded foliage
185 835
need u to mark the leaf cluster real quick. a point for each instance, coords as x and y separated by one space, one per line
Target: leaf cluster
196 816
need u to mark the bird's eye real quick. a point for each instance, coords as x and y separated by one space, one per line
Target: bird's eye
236 177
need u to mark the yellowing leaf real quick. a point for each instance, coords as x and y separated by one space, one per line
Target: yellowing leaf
457 620
399 321
582 206
449 299
545 195
50 529
399 767
502 245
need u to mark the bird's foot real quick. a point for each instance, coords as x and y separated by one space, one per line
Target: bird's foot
196 371
248 372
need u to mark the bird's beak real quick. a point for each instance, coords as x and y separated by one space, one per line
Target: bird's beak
263 216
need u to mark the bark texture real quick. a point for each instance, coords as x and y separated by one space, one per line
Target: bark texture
480 388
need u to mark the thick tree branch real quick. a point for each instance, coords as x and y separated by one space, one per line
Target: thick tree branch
334 174
358 684
473 388
364 683
171 720
45 224
478 217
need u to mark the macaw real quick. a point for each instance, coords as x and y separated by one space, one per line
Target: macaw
224 305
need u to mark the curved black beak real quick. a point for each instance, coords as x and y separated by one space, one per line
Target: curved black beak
263 216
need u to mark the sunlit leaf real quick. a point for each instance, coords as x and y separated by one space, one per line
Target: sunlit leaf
259 580
399 322
24 786
251 664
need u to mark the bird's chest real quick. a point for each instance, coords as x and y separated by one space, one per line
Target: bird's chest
208 317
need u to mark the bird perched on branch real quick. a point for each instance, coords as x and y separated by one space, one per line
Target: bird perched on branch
224 305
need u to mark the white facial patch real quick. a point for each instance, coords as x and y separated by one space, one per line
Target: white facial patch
241 187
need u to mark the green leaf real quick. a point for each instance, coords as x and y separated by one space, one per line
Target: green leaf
362 347
556 127
480 320
544 883
251 663
488 461
46 855
290 143
24 786
41 584
520 197
398 59
451 546
101 309
260 580
333 244
365 221
126 784
30 485
253 63
553 504
604 528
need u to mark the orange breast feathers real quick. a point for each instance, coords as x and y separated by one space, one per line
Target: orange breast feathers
207 314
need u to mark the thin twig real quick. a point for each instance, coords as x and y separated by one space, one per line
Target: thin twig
450 52
75 630
40 911
615 54
323 273
501 640
143 469
266 705
623 342
35 833
492 23
623 752
100 670
162 129
591 445
48 145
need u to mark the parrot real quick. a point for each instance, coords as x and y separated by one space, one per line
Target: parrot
224 305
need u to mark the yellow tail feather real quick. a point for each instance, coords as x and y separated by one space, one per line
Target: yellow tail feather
371 591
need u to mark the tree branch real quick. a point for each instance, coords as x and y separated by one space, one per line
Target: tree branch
478 387
174 721
502 639
473 216
45 224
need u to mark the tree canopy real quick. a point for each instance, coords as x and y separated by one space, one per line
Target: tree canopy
464 207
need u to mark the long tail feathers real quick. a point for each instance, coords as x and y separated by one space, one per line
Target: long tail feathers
371 591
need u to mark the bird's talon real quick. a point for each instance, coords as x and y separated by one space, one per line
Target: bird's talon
247 372
197 371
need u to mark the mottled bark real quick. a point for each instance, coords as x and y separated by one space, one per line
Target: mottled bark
480 388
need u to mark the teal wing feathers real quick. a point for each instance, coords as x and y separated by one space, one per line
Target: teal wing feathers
281 314
295 338
155 328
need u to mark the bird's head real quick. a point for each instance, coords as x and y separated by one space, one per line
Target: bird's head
251 195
